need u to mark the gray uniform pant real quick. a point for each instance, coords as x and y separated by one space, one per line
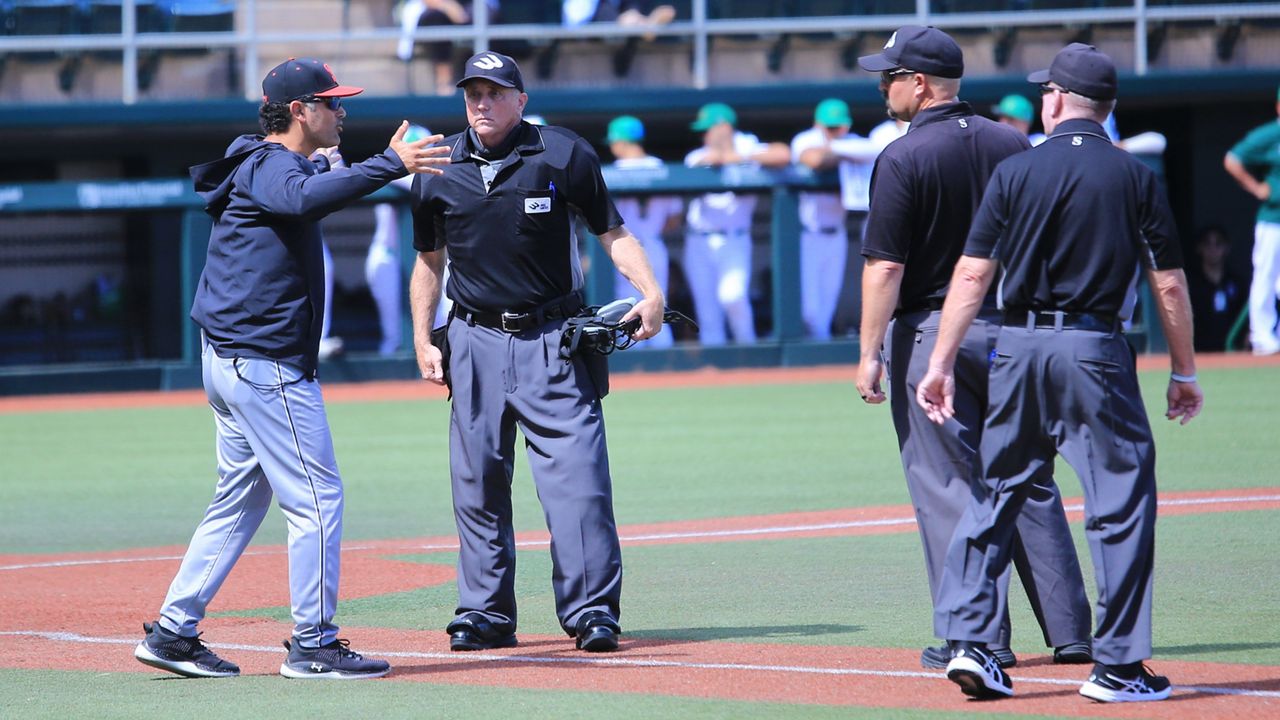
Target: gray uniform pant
272 435
943 473
1073 392
501 380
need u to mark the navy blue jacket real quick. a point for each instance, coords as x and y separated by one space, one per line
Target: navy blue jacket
262 290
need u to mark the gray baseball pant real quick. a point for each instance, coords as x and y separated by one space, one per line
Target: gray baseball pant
1073 392
501 381
942 469
272 437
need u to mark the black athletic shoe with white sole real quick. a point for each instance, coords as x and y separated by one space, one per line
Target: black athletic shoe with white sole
1125 683
334 661
186 656
978 673
937 657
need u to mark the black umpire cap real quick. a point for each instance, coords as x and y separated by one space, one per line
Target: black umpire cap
1081 69
925 50
494 67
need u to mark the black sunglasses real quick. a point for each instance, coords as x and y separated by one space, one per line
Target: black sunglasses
888 76
333 103
1046 88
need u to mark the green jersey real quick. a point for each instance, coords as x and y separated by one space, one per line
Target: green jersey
1261 147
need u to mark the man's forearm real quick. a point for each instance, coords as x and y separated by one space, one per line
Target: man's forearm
628 257
969 283
881 282
424 295
1241 174
1174 307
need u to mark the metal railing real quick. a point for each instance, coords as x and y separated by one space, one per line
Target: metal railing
248 39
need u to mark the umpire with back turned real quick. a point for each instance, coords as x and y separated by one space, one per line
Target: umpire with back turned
505 210
925 189
1068 227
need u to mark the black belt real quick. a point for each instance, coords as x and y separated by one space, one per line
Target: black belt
828 230
513 322
1060 320
926 305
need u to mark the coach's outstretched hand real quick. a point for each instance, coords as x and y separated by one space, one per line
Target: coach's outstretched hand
417 156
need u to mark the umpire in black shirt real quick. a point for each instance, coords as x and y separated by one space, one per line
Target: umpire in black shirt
1068 227
504 210
924 191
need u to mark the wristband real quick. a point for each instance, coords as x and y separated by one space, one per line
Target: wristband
1175 377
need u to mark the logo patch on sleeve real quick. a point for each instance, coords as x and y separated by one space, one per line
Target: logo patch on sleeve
533 206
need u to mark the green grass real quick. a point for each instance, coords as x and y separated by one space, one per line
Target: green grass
112 479
33 695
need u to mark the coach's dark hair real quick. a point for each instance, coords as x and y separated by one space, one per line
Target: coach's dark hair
274 118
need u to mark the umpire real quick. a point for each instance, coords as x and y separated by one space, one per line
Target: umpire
1068 226
924 190
505 210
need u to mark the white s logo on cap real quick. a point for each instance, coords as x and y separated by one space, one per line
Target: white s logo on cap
488 62
892 39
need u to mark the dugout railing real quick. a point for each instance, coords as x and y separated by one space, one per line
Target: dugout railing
702 21
784 345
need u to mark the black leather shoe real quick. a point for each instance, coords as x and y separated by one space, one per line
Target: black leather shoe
1077 653
597 632
935 658
473 632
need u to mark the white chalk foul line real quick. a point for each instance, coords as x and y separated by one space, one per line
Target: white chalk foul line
689 535
480 658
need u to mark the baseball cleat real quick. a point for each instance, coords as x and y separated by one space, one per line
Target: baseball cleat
334 661
1125 683
978 674
185 656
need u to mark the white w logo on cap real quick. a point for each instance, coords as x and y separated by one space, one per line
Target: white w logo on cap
892 39
488 62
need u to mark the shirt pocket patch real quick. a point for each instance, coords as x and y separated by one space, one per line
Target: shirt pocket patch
536 202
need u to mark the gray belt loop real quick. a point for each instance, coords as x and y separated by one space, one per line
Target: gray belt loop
1031 321
1057 320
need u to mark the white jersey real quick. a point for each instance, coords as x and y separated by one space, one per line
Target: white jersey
723 211
820 210
645 217
886 132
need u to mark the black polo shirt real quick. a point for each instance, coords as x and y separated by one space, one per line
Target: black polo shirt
925 189
1072 223
512 247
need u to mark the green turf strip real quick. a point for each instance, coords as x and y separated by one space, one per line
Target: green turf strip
111 479
33 694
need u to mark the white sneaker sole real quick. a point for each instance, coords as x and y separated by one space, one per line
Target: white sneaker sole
292 674
1093 691
975 682
185 669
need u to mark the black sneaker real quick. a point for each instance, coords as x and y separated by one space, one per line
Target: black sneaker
1125 683
473 631
1077 653
186 656
597 631
978 674
329 662
936 658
